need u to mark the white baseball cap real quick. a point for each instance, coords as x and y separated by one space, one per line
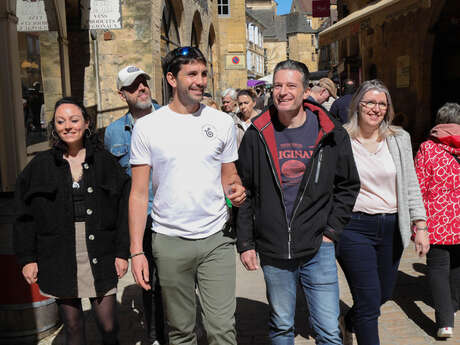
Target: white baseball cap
128 74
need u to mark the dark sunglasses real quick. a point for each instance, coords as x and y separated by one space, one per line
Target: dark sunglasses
190 52
185 51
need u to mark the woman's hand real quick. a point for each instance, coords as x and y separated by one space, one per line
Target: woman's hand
422 238
30 272
121 265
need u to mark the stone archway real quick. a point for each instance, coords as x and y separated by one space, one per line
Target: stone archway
197 31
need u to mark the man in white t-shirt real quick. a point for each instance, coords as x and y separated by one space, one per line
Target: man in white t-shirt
190 149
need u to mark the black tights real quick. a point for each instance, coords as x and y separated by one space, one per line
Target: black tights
74 324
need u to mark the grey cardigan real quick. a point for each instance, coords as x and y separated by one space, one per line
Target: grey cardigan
410 202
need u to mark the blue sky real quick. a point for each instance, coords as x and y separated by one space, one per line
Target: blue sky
283 6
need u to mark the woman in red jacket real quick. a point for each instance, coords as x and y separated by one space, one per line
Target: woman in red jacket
438 171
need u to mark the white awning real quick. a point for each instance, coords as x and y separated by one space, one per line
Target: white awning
369 16
267 79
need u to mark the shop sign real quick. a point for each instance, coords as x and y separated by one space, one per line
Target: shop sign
101 14
31 16
403 71
321 8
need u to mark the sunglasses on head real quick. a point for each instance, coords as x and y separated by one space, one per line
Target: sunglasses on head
190 52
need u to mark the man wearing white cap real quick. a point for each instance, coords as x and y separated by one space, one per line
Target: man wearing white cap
134 89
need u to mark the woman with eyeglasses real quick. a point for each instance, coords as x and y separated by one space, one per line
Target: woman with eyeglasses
389 203
438 169
71 232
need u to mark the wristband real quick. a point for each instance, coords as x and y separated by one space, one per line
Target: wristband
421 229
137 254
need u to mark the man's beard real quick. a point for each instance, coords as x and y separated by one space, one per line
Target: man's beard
143 105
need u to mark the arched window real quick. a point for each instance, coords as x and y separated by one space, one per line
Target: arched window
194 40
210 53
170 39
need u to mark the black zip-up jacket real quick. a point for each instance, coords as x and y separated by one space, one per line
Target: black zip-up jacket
45 232
326 196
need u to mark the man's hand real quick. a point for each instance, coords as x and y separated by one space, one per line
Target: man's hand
249 260
327 239
30 272
121 265
236 193
140 271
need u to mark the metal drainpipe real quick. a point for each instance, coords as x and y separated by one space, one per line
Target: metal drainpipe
98 81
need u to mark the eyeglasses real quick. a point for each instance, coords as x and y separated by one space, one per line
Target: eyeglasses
372 104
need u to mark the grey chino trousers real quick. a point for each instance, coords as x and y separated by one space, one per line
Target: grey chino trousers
209 265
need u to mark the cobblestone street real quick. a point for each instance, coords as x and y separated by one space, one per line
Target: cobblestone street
407 319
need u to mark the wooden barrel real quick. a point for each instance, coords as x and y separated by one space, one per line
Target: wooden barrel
25 315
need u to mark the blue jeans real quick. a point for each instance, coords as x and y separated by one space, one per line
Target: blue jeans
369 251
319 281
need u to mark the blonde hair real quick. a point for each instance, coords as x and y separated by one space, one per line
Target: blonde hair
210 103
385 129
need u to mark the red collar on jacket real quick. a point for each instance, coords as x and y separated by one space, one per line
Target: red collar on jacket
264 125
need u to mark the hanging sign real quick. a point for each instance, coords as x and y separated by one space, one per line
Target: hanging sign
31 16
321 8
101 14
402 71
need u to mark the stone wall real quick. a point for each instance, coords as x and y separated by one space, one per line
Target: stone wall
137 43
302 49
232 36
51 70
383 46
276 52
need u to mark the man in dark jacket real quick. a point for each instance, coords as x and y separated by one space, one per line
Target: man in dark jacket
339 108
297 165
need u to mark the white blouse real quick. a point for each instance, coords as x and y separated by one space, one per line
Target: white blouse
377 173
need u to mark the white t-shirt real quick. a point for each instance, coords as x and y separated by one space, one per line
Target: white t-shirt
186 152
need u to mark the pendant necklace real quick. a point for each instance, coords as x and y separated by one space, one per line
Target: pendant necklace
75 184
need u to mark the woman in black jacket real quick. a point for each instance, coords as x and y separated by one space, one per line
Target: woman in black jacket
71 234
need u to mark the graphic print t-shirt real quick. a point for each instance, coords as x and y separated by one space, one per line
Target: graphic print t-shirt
295 148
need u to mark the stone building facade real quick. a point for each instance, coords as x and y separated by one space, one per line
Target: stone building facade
233 44
412 46
254 46
150 28
293 36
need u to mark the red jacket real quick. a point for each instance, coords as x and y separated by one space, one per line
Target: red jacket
439 175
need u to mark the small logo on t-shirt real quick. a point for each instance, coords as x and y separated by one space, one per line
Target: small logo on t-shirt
209 131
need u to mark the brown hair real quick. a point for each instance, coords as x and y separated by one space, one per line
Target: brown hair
247 92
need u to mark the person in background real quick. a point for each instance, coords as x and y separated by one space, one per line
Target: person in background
133 88
438 169
35 101
322 92
71 231
229 104
260 97
246 99
341 105
388 204
210 103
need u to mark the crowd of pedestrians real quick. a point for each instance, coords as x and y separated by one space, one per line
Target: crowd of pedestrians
291 184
